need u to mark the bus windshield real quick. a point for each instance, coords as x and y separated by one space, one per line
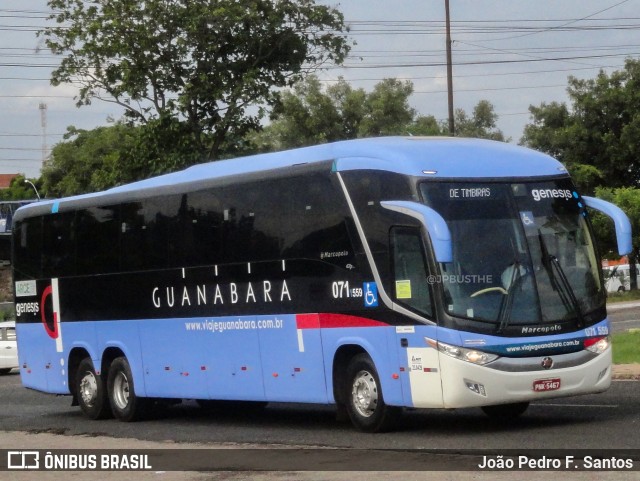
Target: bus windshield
523 254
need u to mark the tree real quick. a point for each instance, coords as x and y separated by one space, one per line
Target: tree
191 68
628 199
482 124
20 190
306 115
91 160
598 138
310 114
387 109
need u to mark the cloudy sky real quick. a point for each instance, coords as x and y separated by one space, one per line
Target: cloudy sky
513 53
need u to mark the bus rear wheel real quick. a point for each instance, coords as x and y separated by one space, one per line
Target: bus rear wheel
91 391
365 403
125 405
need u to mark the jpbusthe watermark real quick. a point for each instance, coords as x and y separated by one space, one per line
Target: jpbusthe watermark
460 279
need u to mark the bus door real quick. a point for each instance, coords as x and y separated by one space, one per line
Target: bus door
412 293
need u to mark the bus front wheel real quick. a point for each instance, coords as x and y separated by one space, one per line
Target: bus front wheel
91 391
126 406
365 403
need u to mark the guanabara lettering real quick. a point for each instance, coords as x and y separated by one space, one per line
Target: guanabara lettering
218 294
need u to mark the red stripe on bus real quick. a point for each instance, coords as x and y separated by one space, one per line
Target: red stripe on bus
52 333
330 321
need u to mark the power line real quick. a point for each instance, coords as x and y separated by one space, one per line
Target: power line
484 62
24 149
489 74
565 24
26 135
491 89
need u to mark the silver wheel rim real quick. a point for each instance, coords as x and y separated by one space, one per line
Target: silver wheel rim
88 389
364 394
121 391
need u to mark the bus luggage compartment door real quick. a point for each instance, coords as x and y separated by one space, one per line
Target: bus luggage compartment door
291 351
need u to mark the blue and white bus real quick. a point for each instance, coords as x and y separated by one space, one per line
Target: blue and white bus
371 274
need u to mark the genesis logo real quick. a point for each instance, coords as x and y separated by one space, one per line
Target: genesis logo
552 194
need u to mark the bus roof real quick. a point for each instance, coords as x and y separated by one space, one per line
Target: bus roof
429 157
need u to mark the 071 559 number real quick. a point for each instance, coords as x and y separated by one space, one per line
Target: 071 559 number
596 331
341 289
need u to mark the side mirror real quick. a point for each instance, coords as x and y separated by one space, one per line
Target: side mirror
433 222
620 220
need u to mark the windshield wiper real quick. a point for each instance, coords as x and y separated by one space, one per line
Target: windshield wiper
504 316
563 287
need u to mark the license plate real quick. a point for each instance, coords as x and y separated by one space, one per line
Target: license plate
546 385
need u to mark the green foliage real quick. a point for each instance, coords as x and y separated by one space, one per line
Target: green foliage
598 139
188 68
481 125
387 110
90 160
310 114
628 199
20 190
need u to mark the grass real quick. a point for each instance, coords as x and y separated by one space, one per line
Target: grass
623 296
626 347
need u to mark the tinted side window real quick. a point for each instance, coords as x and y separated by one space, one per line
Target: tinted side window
98 239
27 245
150 233
256 218
410 270
318 212
201 229
367 189
59 245
133 237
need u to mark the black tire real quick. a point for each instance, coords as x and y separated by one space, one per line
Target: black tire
621 289
4 371
506 412
91 391
125 405
364 400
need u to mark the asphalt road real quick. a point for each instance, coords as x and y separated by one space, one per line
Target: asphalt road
582 421
609 420
578 422
624 315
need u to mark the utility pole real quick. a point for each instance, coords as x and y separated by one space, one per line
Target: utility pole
43 123
452 129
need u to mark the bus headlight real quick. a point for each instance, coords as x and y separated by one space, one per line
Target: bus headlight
470 355
597 344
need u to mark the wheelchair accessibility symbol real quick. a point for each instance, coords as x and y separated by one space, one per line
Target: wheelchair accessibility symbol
370 294
527 218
